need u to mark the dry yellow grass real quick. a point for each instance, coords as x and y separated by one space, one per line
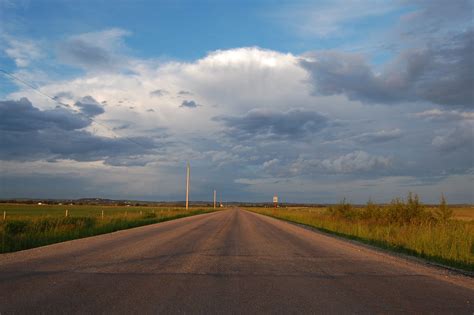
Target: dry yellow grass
425 235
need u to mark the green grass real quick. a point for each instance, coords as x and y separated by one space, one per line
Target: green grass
449 242
29 226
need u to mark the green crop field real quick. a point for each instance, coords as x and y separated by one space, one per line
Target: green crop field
16 211
441 234
24 226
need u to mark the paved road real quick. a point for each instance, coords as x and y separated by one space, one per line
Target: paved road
232 261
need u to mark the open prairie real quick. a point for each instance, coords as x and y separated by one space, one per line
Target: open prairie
24 226
445 237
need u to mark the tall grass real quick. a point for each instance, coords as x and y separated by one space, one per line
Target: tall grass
25 232
403 225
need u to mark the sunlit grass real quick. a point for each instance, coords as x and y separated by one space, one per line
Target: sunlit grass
28 226
416 231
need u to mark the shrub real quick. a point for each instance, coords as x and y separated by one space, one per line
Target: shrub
16 227
443 213
411 211
372 212
149 215
343 210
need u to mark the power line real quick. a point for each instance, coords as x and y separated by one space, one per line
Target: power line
69 107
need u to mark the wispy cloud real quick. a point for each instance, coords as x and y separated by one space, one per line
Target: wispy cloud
95 51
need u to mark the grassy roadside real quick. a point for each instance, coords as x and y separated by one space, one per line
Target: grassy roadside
26 227
445 241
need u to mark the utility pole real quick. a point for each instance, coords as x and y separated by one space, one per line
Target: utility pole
188 171
214 198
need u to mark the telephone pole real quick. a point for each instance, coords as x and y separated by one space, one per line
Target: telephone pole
188 171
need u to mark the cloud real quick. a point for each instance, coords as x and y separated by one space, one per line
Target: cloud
427 18
159 92
30 134
354 162
21 116
415 75
378 136
63 94
183 93
89 106
459 138
265 119
444 115
326 19
95 51
22 51
271 124
223 157
189 104
270 164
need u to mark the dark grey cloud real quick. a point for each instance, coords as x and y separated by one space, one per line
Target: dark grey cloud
30 134
441 73
89 106
64 94
189 104
261 123
159 92
21 116
184 93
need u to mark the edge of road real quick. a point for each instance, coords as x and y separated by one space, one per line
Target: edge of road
452 271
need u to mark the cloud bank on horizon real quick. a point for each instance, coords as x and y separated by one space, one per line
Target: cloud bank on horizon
365 100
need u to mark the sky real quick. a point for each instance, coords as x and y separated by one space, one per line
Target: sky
314 101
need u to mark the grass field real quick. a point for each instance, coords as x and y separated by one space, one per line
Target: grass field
421 233
30 225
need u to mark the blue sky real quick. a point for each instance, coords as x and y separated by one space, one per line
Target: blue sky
313 100
188 30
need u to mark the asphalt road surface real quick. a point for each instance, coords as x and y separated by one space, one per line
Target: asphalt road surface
231 261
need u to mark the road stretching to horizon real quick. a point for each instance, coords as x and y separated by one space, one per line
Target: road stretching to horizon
231 261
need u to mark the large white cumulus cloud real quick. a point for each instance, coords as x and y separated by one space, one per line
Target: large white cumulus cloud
245 113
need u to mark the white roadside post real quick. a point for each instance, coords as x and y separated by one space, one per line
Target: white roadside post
102 214
4 215
66 213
